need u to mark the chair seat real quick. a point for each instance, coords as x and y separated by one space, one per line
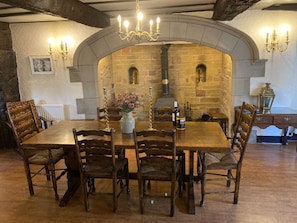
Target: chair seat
158 167
104 167
42 157
220 160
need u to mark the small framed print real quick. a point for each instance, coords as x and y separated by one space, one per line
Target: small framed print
41 64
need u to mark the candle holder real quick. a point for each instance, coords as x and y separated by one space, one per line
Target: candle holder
151 109
106 116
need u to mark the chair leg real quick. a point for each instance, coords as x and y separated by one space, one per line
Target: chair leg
183 174
54 180
115 192
127 178
237 183
47 172
180 183
29 179
172 203
203 177
84 182
198 166
91 185
229 175
141 194
148 184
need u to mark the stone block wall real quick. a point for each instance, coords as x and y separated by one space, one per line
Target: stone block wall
211 95
9 89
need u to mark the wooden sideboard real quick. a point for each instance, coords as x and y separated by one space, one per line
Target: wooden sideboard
281 117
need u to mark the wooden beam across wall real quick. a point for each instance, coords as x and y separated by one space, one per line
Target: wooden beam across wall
69 9
225 10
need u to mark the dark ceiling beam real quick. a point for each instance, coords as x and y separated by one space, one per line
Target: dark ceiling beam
69 9
225 10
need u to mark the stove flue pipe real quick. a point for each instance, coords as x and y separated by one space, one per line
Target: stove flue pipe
164 65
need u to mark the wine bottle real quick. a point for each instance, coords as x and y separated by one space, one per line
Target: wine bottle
175 113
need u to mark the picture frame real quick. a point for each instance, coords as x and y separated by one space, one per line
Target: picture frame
41 64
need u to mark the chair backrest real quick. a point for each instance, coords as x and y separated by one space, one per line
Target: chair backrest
243 128
22 120
152 143
163 114
114 113
35 113
94 146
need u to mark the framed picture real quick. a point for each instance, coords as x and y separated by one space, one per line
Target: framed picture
41 64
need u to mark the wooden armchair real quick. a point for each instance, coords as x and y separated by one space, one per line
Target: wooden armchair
212 163
156 160
24 125
97 158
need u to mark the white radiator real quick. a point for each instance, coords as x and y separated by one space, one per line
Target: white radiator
53 112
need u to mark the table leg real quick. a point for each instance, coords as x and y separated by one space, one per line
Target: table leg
73 178
191 197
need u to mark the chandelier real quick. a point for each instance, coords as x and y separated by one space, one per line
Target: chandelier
273 42
138 33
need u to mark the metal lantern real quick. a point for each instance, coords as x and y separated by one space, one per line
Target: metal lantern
266 98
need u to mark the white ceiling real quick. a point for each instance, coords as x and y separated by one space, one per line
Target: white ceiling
202 8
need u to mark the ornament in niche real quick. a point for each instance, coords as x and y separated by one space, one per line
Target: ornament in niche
133 75
201 73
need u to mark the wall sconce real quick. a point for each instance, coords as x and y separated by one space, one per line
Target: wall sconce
273 39
63 47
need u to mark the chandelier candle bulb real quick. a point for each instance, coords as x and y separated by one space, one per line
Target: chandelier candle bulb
126 24
151 26
158 25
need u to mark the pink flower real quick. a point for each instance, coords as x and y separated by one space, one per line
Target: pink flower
128 101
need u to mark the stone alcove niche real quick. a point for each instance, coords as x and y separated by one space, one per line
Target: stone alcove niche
241 48
133 75
201 73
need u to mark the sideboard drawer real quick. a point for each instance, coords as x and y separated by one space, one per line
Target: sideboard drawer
263 120
285 119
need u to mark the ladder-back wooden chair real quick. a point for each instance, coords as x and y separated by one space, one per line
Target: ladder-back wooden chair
24 125
212 163
156 160
97 158
163 114
114 113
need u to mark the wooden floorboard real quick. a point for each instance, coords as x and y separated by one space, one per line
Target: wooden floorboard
268 194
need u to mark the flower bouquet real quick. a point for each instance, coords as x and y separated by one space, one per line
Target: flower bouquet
128 102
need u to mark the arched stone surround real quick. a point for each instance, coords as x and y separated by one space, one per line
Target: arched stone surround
241 48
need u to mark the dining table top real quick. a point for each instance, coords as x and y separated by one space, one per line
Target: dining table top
202 136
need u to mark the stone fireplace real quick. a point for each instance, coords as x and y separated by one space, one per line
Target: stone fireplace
244 60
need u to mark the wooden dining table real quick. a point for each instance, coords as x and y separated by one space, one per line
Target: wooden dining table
197 136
